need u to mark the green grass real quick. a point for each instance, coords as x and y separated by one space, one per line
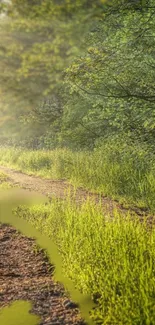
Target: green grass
116 169
112 259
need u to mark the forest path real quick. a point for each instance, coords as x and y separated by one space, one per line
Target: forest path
26 274
56 188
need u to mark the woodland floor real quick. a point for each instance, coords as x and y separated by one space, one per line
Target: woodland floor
61 188
26 274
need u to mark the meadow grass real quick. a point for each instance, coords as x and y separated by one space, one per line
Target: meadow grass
112 259
121 171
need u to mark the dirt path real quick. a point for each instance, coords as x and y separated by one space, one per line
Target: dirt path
35 183
61 188
57 188
25 274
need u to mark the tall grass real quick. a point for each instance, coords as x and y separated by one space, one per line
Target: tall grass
117 169
112 259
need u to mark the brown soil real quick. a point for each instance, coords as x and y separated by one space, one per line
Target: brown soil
61 188
26 274
56 188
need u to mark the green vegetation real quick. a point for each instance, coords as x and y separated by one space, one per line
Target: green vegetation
79 76
9 201
110 258
78 103
121 171
75 72
18 313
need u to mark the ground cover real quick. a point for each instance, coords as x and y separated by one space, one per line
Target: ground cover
27 275
120 171
108 255
111 258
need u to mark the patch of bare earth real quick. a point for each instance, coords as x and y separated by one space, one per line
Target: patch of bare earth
26 274
56 188
61 188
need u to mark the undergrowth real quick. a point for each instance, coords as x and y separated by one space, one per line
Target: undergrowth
117 169
112 259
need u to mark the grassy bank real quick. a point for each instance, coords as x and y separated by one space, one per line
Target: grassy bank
122 171
111 259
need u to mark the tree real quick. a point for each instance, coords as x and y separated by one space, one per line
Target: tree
40 39
115 79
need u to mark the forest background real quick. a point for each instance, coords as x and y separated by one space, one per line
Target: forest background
74 73
80 75
77 103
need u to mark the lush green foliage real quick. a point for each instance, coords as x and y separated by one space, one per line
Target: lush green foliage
110 258
123 171
112 85
77 71
39 41
80 74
